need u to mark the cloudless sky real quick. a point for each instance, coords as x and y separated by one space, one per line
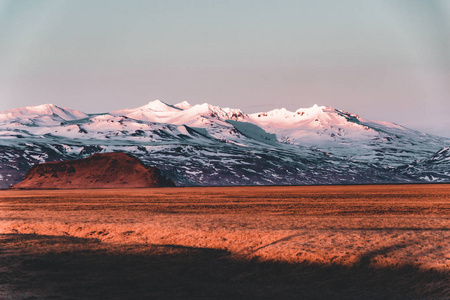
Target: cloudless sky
386 60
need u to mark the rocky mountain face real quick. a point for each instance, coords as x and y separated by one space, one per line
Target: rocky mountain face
209 145
106 170
432 169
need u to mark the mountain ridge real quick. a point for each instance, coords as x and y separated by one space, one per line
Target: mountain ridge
224 146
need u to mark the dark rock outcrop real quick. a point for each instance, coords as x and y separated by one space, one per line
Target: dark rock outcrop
106 170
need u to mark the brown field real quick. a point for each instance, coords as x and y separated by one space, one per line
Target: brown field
349 242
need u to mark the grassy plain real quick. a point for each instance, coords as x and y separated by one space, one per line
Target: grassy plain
350 242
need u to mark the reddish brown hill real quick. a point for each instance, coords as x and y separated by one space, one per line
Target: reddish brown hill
106 170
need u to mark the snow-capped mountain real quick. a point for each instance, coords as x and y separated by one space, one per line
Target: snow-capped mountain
209 145
41 115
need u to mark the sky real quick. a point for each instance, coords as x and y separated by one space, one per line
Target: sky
385 60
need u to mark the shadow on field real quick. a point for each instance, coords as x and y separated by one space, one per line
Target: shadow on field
45 267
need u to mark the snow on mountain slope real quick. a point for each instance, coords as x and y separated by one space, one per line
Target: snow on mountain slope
319 124
160 112
347 135
435 168
183 105
209 145
155 110
326 128
309 126
46 114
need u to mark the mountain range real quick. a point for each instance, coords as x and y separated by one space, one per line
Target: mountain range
208 145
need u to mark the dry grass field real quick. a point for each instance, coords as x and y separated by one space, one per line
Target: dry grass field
333 242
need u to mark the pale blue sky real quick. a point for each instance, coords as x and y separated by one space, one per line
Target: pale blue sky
386 60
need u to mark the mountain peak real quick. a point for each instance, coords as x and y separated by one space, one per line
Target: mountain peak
183 105
159 106
37 111
218 112
45 106
44 109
